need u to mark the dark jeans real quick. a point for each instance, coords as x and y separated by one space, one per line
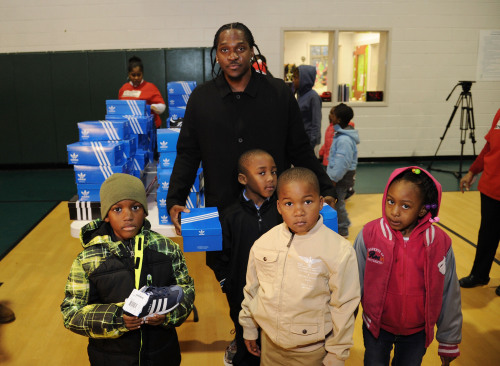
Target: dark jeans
408 350
488 237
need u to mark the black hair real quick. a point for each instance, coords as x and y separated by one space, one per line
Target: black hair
246 156
344 113
428 190
248 37
298 174
133 62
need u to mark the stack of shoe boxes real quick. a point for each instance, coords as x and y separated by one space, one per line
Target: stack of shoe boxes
138 114
107 147
167 144
178 94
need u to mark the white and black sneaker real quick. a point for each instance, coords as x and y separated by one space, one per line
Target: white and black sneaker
151 300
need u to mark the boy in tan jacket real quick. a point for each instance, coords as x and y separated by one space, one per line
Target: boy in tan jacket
302 283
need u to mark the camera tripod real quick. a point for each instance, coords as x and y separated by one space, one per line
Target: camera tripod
466 124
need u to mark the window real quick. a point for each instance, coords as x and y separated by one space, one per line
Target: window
359 75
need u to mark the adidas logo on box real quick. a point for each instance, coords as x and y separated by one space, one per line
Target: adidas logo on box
201 230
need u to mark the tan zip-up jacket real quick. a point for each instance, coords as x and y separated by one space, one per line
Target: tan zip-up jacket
302 290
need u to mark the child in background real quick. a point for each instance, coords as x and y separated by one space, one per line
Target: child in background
104 274
407 273
309 101
343 161
337 113
138 88
302 286
242 224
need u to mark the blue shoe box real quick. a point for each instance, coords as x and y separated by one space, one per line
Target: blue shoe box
166 159
130 147
164 217
167 139
176 112
177 100
201 230
91 174
104 130
180 87
88 192
192 200
163 176
126 107
140 159
161 199
145 142
139 125
108 153
330 217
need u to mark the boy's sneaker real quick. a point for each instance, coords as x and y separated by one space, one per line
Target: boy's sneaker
230 352
151 300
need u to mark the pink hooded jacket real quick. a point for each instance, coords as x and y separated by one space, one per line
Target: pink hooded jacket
408 286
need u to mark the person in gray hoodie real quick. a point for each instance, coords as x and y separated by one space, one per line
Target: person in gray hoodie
309 101
342 161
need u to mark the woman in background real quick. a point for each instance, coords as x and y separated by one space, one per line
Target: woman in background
137 88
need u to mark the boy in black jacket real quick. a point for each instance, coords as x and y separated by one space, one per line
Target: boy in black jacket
243 222
120 253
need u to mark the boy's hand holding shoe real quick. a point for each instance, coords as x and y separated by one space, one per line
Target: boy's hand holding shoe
151 301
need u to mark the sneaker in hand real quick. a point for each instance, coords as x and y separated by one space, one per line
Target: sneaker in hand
151 300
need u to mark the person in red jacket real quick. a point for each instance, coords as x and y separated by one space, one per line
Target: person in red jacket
137 88
488 162
340 112
407 274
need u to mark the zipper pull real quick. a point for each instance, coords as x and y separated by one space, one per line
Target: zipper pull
149 280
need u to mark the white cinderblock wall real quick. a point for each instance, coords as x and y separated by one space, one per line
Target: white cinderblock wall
434 44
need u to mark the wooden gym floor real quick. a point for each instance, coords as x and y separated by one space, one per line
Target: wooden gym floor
35 271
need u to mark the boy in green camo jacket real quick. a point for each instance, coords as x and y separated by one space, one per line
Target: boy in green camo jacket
104 274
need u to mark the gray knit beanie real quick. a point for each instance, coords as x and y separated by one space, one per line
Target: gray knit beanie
119 187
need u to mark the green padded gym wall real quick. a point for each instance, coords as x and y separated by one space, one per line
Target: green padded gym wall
46 94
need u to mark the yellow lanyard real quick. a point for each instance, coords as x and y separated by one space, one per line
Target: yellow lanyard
138 255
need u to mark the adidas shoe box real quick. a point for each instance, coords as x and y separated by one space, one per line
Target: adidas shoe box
140 159
139 125
163 176
167 139
175 117
88 192
92 174
177 100
329 217
198 181
145 142
180 87
126 107
176 112
83 210
192 200
164 217
104 130
161 199
107 153
166 160
201 230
